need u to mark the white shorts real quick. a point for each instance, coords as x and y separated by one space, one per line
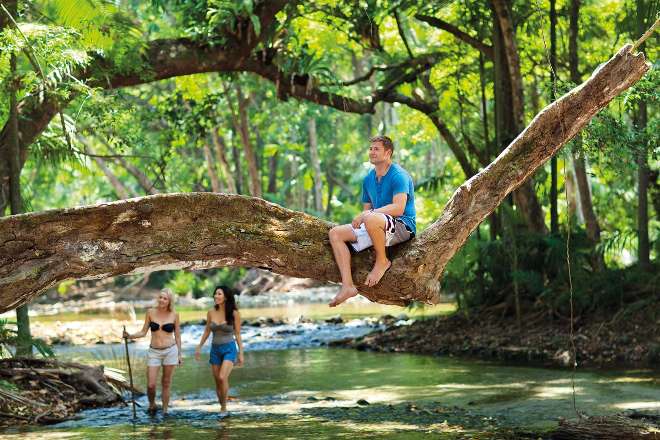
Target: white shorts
395 232
157 357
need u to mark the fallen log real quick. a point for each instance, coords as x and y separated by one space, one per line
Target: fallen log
203 230
613 427
48 391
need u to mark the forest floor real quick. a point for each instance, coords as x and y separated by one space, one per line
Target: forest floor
623 340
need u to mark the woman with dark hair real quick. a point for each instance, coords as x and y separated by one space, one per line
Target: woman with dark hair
224 321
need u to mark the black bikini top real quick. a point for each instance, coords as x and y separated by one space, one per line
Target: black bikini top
168 328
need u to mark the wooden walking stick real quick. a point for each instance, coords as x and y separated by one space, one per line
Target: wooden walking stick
130 373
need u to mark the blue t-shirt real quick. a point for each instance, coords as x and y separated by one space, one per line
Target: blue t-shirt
380 193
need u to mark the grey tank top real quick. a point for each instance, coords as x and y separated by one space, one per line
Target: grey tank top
222 333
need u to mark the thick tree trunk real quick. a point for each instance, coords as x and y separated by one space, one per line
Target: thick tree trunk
239 178
272 173
554 213
288 171
242 127
643 245
331 190
220 152
581 177
654 190
579 162
316 166
503 13
570 195
508 106
13 148
493 223
203 230
23 337
484 106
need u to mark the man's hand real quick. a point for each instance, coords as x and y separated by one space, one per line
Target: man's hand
357 221
198 351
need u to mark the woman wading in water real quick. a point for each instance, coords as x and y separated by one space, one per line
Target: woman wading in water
165 348
224 321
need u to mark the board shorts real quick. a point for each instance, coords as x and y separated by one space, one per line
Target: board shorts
223 352
157 357
396 232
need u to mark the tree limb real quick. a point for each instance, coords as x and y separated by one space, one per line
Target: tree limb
122 191
474 42
202 230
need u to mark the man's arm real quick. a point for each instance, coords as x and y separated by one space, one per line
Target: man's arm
358 220
399 198
396 208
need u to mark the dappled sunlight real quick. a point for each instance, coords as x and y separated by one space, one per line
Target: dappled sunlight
639 405
464 386
545 392
385 427
45 435
373 371
627 380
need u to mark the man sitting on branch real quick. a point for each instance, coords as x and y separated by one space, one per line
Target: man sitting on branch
388 218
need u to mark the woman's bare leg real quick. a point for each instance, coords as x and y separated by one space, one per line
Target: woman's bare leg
152 375
168 371
225 371
215 369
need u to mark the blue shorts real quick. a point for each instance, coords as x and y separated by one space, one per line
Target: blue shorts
223 352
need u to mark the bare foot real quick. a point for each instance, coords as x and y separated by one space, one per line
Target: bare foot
377 273
345 293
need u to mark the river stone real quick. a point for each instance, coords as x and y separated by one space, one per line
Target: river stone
335 320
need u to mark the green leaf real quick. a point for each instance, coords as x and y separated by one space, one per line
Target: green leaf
256 23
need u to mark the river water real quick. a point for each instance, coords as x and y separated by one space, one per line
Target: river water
294 386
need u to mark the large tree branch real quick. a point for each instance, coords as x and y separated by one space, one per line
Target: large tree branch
421 60
168 231
204 230
168 58
484 48
303 86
